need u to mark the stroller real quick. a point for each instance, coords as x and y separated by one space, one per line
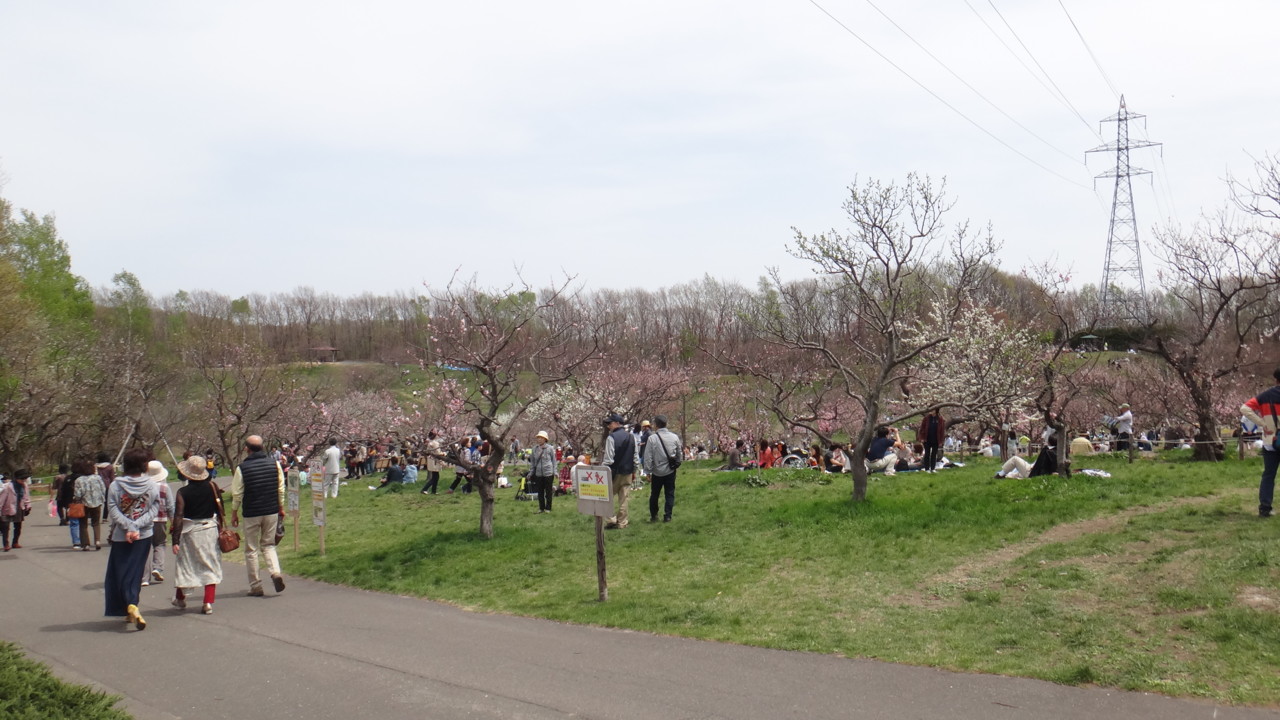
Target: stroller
523 489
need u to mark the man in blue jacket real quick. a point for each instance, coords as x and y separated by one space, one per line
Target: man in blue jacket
620 456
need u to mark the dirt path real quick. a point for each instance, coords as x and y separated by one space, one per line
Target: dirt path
1066 532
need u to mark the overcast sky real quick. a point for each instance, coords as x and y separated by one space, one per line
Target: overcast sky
374 146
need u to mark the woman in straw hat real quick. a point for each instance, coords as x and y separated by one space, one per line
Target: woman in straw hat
542 470
164 510
196 522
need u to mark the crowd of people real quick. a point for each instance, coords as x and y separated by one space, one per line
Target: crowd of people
146 520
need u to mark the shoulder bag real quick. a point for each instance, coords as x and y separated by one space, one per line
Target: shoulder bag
672 461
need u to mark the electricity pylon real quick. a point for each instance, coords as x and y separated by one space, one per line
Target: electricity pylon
1123 268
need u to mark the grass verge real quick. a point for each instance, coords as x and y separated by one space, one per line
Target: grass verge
1158 578
28 691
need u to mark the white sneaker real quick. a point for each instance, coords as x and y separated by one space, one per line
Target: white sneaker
145 582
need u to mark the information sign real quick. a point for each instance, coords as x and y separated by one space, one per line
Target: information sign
594 487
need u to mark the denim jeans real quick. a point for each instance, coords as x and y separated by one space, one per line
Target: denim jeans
74 524
1267 488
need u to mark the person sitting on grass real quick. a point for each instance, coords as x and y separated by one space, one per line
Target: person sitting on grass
880 456
1046 463
735 457
395 474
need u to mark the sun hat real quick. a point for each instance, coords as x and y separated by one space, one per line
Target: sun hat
644 423
193 468
543 434
156 471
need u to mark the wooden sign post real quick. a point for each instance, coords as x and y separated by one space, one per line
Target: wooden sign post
293 487
317 509
594 487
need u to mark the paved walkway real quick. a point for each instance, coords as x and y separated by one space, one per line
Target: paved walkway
318 651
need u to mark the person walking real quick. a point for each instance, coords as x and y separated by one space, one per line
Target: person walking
433 465
91 490
1262 409
933 429
131 506
332 468
15 506
55 489
660 449
258 489
67 494
164 510
197 519
104 469
620 457
542 470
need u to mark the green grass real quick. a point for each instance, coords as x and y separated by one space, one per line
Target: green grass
1159 578
28 691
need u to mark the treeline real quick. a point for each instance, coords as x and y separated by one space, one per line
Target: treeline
904 313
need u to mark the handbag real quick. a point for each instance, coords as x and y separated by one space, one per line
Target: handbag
75 510
228 540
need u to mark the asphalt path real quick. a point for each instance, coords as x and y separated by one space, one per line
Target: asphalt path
319 651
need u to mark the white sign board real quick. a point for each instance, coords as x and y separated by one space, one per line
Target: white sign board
317 504
594 487
293 485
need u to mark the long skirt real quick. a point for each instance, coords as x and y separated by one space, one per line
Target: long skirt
125 566
199 559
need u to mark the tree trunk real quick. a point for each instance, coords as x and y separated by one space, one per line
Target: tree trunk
859 480
858 459
1208 445
1063 450
486 488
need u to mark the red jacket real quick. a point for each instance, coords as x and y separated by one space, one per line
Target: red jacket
932 431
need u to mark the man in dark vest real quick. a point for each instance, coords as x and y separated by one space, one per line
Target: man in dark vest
258 490
620 456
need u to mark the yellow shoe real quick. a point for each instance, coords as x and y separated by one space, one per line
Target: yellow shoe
135 617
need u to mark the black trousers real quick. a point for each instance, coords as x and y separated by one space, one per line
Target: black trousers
931 456
546 490
433 482
662 483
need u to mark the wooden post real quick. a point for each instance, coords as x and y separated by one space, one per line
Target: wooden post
600 568
321 541
1133 449
296 513
1240 446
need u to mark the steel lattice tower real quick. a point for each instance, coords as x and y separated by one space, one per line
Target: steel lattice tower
1123 267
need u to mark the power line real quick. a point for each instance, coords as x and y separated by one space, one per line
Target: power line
1089 50
939 98
1037 62
1030 72
966 84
